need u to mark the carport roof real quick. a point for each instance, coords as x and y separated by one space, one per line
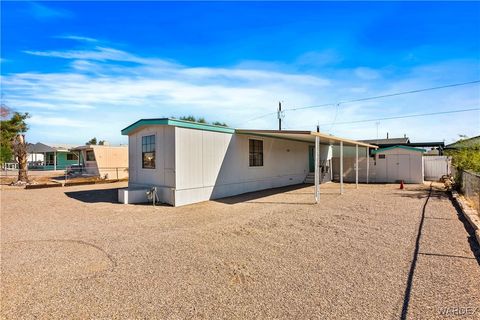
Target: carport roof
304 136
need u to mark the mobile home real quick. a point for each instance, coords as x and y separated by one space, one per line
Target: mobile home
189 162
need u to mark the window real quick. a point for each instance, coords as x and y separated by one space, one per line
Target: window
255 148
50 159
148 152
90 155
71 156
381 156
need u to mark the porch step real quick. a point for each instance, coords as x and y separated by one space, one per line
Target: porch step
310 178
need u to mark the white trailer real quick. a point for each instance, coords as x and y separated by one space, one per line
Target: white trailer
191 162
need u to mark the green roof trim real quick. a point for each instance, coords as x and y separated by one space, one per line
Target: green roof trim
176 123
267 136
401 147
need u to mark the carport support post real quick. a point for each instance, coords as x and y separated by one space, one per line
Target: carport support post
356 166
368 163
317 173
341 167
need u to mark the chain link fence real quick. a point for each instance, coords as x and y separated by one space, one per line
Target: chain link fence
469 185
106 173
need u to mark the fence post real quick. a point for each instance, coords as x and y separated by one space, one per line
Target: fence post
117 172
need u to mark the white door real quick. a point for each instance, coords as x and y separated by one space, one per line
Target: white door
404 167
398 167
392 167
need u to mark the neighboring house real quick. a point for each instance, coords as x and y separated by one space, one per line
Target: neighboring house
190 162
388 142
105 161
464 143
399 163
45 157
436 146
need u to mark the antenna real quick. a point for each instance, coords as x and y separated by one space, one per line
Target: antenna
279 116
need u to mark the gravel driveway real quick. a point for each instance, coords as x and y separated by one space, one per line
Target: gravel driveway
75 253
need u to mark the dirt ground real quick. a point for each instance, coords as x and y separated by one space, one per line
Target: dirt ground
373 253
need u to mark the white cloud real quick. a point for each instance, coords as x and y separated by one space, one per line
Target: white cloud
77 38
56 122
43 12
319 59
98 53
107 89
367 73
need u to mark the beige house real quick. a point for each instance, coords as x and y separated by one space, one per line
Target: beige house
107 162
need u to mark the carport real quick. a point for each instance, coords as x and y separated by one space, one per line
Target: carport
318 139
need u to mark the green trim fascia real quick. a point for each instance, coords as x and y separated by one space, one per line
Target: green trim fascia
267 136
177 123
401 147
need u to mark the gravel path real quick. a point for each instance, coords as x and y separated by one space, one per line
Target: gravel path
74 253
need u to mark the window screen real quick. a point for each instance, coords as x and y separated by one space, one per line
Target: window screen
90 155
148 152
71 156
256 153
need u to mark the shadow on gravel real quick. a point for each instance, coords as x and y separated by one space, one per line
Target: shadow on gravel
249 197
95 196
472 240
424 194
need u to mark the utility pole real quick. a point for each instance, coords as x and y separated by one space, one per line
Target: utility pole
279 116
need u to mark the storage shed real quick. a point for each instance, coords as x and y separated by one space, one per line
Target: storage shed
399 163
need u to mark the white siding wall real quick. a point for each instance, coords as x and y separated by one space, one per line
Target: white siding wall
163 176
211 165
349 164
349 169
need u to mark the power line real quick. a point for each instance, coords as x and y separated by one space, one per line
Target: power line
387 95
368 98
408 116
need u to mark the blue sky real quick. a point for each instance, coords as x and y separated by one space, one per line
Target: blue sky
84 69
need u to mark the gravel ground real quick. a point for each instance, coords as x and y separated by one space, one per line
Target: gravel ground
75 253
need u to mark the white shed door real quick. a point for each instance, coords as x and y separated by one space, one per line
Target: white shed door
398 167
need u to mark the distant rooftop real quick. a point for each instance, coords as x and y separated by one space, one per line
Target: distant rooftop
389 141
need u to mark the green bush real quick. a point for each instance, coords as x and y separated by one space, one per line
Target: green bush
466 158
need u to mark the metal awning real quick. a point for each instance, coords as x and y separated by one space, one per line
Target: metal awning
318 139
304 136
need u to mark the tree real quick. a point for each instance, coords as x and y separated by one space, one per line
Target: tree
13 139
92 141
6 151
101 142
467 157
20 150
188 118
201 120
